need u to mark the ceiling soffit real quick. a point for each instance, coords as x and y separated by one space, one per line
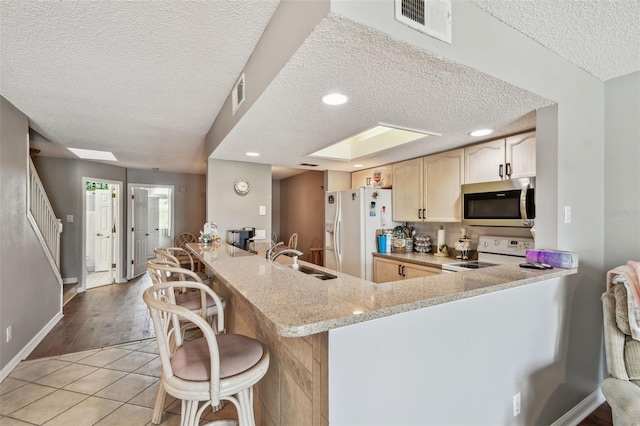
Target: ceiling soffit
387 81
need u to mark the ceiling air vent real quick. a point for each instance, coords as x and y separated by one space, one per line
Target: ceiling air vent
237 95
432 17
308 165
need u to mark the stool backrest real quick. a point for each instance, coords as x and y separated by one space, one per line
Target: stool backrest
160 270
293 241
177 255
167 318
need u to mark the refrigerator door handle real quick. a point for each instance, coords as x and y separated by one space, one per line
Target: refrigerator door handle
337 234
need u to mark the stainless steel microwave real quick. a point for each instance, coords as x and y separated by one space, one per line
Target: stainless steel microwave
503 203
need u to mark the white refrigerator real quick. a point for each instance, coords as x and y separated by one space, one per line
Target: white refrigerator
352 217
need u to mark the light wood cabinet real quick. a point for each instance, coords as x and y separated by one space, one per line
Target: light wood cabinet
443 178
367 177
521 155
408 191
428 189
510 158
387 270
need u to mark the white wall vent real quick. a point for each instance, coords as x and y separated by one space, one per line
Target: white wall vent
237 94
432 17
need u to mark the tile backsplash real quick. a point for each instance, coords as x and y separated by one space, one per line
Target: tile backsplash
453 230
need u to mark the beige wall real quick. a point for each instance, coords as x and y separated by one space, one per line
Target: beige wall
62 179
30 294
234 211
302 210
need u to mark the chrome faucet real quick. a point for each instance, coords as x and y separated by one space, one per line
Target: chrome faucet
270 251
295 253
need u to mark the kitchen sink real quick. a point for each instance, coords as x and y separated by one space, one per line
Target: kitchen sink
313 272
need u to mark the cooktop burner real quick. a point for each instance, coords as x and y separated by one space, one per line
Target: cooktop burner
463 266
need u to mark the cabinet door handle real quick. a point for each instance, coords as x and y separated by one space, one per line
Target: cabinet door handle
508 170
400 270
403 270
424 213
419 213
500 169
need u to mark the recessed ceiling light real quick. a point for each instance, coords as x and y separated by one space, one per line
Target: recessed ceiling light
334 99
253 154
358 165
481 132
90 154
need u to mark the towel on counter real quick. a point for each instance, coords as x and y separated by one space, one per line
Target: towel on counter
629 276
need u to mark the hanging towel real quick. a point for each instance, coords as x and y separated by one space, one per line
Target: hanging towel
629 276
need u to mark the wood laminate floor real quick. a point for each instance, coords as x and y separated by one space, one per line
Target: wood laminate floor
103 316
116 314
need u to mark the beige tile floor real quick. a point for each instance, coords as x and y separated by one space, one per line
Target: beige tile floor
112 386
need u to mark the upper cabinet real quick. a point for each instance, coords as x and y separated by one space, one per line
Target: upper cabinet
408 191
377 177
443 178
521 155
428 189
510 158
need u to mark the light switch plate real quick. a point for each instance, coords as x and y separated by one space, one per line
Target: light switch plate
263 210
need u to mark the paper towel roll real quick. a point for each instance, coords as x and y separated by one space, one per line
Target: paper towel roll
441 238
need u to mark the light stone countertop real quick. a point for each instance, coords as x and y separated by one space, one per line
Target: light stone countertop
294 304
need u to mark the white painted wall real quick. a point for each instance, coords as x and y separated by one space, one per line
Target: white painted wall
622 173
454 364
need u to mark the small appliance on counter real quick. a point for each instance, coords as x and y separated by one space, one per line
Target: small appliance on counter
241 237
494 251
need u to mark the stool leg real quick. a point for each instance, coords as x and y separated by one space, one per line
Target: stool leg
156 417
245 414
189 413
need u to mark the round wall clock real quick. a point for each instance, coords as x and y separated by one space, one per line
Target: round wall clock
241 186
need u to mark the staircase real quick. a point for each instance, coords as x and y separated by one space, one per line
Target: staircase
43 220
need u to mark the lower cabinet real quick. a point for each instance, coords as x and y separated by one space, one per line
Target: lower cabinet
385 270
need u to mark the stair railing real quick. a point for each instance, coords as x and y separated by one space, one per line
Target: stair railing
43 219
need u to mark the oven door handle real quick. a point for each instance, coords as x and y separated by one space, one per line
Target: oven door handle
523 204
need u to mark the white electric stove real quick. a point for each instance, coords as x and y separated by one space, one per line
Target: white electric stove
494 251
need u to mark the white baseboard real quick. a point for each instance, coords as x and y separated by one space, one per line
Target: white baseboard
72 280
578 413
29 347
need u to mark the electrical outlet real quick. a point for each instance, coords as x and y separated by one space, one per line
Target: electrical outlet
9 333
567 214
516 404
69 218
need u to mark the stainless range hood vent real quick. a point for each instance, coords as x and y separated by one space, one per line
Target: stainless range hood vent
432 17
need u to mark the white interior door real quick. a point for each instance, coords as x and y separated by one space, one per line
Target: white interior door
103 229
153 225
140 218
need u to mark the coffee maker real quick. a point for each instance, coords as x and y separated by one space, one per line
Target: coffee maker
241 238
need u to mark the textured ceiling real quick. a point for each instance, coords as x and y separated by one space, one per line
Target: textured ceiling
600 36
143 79
387 81
147 79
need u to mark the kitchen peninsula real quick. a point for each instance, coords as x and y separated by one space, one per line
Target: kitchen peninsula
310 326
